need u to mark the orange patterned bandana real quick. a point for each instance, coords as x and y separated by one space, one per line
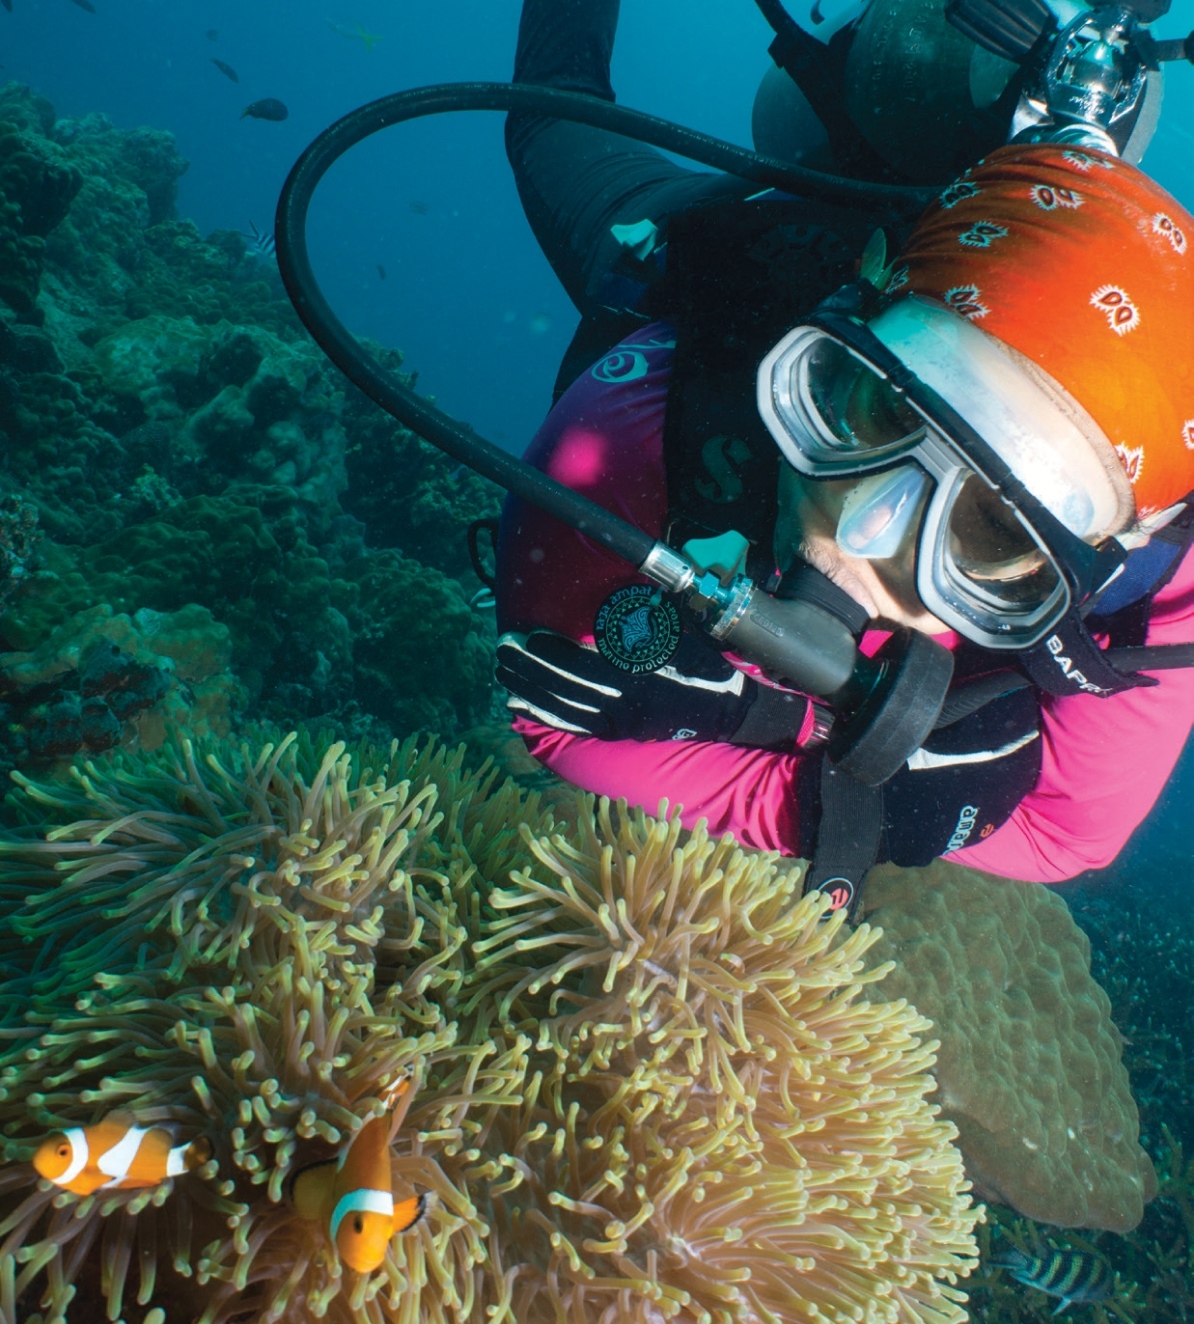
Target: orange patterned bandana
1084 265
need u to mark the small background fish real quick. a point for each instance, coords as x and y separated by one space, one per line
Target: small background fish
227 70
357 33
260 243
269 108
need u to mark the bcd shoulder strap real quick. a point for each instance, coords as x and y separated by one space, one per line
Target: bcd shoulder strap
739 275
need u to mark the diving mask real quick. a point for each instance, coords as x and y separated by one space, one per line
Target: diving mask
1015 488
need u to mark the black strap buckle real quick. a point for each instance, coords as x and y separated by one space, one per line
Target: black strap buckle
848 837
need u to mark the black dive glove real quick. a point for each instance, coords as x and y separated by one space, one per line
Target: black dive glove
697 696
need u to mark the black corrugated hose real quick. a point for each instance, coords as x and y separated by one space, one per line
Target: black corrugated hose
459 441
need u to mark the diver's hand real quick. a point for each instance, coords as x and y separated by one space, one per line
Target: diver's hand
697 696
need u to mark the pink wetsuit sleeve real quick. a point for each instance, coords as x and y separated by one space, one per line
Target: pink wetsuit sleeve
749 792
1104 762
605 439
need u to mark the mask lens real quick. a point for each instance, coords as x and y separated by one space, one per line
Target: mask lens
994 552
856 411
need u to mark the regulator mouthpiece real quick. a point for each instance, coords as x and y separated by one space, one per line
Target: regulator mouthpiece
884 706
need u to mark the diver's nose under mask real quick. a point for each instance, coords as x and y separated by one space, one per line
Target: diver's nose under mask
881 512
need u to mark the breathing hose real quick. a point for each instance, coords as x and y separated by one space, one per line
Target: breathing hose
423 418
885 714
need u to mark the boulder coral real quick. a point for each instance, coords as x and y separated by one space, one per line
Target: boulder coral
1030 1068
104 678
648 1085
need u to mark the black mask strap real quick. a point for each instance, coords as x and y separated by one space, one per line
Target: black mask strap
1068 661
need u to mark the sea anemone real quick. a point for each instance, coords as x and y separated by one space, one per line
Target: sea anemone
726 1130
647 1084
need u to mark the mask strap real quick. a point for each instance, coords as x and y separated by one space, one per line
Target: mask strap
1068 661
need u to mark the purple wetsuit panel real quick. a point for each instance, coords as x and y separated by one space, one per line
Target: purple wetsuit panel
603 439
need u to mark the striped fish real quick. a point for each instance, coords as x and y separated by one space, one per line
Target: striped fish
116 1154
1073 1275
354 1196
260 243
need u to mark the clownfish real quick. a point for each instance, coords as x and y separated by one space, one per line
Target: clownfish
115 1154
353 1197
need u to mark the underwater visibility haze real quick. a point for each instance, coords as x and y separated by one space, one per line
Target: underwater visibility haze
320 998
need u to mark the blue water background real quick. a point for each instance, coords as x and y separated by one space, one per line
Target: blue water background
468 296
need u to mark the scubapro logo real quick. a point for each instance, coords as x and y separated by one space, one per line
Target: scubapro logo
623 365
966 821
1056 648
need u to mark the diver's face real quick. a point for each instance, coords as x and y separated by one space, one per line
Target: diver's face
808 521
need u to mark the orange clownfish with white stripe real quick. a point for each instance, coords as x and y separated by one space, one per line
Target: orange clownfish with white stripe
115 1154
353 1196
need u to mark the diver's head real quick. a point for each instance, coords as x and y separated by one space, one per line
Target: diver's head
1018 395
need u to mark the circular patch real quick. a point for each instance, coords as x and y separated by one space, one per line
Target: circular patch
622 365
637 629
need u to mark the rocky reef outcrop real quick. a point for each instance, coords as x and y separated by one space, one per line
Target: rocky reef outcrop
172 443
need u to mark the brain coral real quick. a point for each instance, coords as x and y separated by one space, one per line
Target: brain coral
649 1087
1029 1068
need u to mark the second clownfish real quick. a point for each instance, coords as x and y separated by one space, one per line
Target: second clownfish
353 1197
116 1154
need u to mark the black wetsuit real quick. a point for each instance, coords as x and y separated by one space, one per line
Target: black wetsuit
576 182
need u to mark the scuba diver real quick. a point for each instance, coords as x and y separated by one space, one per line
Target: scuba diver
968 438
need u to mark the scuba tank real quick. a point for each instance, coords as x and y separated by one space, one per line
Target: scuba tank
916 90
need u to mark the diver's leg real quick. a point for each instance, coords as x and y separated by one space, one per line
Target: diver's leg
567 43
576 181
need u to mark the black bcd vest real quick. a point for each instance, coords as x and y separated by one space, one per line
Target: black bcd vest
739 275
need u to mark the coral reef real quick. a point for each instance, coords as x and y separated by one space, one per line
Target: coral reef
407 494
18 542
648 1085
37 186
1030 1066
102 678
178 441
